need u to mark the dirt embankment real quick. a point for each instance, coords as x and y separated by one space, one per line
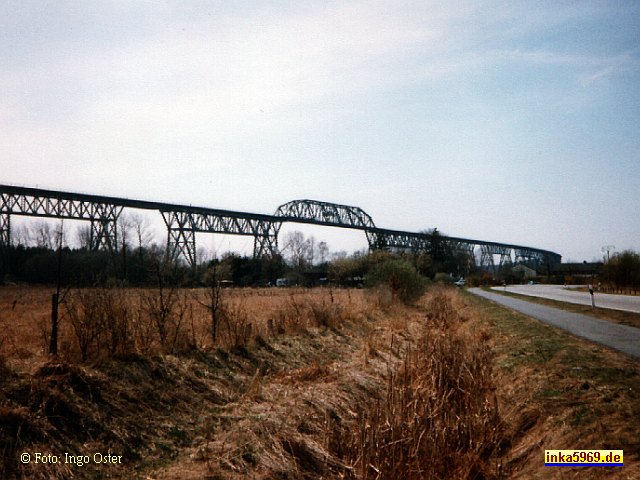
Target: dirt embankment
370 394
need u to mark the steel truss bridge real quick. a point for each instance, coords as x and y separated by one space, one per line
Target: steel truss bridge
183 222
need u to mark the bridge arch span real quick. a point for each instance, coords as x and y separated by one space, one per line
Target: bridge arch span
324 213
183 222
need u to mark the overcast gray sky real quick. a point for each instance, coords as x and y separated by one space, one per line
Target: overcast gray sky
513 121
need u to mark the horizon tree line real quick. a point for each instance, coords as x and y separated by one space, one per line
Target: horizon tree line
136 254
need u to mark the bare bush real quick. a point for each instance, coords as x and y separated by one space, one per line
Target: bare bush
215 303
100 322
83 309
327 312
294 314
237 329
166 309
142 327
116 322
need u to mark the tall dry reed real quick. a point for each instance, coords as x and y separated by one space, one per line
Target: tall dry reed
438 418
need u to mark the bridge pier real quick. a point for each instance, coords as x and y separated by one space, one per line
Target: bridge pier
182 228
104 227
265 240
183 222
527 257
376 241
181 236
5 242
5 229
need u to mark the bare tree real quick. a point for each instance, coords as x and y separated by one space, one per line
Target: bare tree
125 228
142 233
141 229
125 225
83 236
214 296
44 235
323 251
21 235
166 307
311 250
55 298
297 249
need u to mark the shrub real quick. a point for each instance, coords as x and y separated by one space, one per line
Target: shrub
100 321
326 314
84 311
236 329
623 270
442 277
400 276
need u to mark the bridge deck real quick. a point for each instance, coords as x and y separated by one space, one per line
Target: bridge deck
184 220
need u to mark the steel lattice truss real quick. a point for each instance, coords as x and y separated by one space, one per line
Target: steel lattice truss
103 215
381 239
323 213
398 240
184 222
333 215
488 255
5 229
183 225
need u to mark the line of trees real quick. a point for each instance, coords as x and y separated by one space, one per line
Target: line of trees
137 267
135 259
621 273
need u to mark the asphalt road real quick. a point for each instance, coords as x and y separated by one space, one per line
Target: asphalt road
557 292
619 337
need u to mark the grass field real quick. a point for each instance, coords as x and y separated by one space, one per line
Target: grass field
322 383
138 314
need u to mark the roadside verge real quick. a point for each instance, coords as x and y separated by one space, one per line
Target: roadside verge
620 337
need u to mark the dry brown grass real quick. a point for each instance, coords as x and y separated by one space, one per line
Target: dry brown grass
323 384
420 405
129 385
106 323
438 417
